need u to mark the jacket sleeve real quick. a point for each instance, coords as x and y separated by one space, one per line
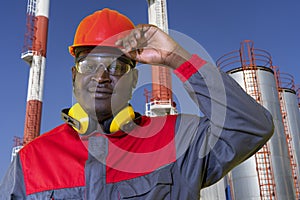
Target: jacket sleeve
12 186
233 128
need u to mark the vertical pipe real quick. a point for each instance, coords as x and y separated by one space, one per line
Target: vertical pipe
37 70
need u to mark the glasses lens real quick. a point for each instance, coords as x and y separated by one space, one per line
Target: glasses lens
86 67
118 68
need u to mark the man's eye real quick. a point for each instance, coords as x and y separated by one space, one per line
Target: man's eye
89 67
114 67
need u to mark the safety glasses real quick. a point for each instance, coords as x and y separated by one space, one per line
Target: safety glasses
116 66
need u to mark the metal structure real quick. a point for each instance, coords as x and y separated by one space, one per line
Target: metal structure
34 53
18 144
160 101
298 95
216 191
291 121
267 175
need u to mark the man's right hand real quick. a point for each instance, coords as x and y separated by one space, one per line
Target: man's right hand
150 45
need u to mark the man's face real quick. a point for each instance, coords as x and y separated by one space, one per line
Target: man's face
102 84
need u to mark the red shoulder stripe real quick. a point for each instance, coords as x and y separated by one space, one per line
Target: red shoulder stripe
54 160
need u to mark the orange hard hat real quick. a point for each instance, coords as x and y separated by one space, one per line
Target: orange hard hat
102 28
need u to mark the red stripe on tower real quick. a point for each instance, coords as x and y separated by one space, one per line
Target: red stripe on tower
35 55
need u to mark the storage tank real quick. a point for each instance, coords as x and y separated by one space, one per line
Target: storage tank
216 191
267 174
291 120
298 95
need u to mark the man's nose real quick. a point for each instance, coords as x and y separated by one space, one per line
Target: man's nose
101 74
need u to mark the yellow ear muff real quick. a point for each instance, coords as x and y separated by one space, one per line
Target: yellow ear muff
123 117
77 112
80 121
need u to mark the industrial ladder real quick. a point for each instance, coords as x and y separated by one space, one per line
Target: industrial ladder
262 157
165 84
29 35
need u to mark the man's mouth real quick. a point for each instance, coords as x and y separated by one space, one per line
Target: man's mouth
100 92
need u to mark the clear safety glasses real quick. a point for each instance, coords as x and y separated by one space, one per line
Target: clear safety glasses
116 66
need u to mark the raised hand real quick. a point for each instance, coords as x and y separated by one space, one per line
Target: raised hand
149 44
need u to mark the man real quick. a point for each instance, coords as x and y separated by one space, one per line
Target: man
108 151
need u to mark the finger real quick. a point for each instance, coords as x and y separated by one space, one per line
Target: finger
137 33
119 42
147 30
132 40
133 35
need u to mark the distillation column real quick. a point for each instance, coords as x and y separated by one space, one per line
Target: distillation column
34 53
161 101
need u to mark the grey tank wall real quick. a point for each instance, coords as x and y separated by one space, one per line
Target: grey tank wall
244 177
290 101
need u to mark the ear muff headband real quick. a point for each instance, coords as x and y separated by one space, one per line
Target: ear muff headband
123 117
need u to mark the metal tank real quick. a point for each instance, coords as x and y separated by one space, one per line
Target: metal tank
293 117
288 94
267 174
298 95
216 191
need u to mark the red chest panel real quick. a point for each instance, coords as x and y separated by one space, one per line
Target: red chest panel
146 149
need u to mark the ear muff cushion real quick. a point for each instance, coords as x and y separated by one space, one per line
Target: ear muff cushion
77 112
123 117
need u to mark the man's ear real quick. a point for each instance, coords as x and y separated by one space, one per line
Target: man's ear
74 71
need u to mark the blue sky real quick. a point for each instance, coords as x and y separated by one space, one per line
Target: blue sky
218 25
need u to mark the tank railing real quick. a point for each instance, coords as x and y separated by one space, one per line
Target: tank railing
234 60
229 59
284 80
262 58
